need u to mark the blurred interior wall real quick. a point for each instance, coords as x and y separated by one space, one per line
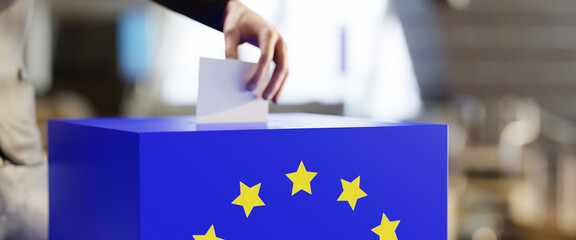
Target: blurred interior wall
495 47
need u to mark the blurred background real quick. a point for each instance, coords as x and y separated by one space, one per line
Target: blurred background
501 73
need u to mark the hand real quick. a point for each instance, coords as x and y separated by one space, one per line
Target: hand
243 25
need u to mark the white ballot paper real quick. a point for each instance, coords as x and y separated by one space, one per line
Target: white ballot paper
222 94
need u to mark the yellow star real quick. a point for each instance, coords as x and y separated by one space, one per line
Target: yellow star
210 235
387 229
301 179
351 192
248 198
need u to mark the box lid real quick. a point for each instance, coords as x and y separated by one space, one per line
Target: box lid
188 123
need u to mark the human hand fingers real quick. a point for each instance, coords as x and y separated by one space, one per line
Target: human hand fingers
276 97
280 74
267 39
232 39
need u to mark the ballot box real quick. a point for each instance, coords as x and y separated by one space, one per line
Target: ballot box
298 176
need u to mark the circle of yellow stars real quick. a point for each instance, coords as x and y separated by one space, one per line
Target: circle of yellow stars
301 180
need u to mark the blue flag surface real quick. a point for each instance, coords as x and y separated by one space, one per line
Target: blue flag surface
302 177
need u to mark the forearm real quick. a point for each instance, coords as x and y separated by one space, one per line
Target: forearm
207 12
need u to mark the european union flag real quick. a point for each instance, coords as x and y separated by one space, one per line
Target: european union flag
301 176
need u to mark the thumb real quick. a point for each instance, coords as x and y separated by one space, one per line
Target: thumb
232 39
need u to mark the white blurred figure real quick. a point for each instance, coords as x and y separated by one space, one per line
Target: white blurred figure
23 190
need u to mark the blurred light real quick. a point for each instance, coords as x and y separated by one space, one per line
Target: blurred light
567 196
513 137
458 137
525 206
459 4
69 104
133 44
472 111
528 110
484 234
519 133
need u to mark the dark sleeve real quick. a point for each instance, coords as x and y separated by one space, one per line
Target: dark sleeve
207 12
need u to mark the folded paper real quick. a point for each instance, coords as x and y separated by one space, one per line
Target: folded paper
222 94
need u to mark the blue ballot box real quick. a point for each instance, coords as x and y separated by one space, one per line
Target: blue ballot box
300 176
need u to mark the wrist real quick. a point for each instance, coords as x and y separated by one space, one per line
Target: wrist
234 9
230 6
